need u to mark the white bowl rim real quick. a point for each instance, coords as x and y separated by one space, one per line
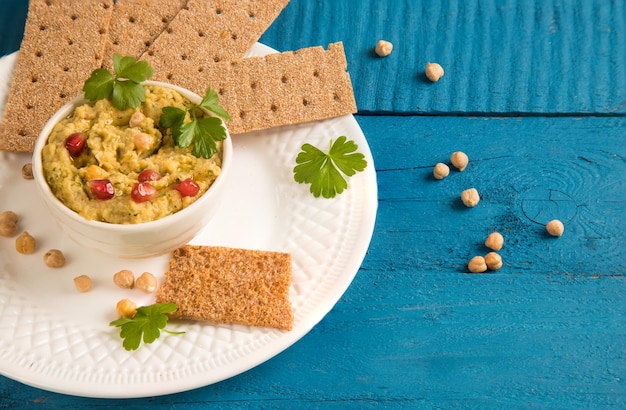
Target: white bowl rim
163 222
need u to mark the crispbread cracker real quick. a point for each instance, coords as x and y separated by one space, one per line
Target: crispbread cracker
135 25
208 31
63 43
279 89
228 285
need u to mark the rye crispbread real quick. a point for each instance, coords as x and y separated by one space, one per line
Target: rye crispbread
278 89
208 31
135 25
229 285
63 43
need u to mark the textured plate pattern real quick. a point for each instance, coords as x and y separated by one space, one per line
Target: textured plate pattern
57 339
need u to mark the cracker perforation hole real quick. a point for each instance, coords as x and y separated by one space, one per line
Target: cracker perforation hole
62 95
242 114
164 20
183 57
22 133
147 43
150 53
336 97
316 74
216 59
305 102
115 43
74 17
200 33
33 79
169 30
42 28
39 54
48 3
218 11
234 36
251 14
253 85
220 91
66 69
105 6
170 76
70 42
131 19
284 79
200 69
29 106
274 108
102 31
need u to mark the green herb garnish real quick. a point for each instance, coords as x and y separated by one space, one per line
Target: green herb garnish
146 325
325 172
203 132
124 89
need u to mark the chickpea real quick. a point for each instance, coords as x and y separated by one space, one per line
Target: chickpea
383 48
143 141
477 264
146 282
25 243
82 283
470 197
493 261
555 227
136 119
459 160
126 308
433 71
441 170
27 171
54 258
8 223
124 279
95 172
494 241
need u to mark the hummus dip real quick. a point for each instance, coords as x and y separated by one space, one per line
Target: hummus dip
120 145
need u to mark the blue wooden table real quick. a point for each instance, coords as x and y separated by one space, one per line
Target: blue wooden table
535 94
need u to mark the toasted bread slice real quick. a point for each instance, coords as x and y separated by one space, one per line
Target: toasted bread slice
63 43
229 285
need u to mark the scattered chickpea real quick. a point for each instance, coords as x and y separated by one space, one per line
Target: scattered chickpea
470 197
126 308
555 227
124 279
383 48
433 71
146 282
25 243
459 160
8 223
441 170
477 264
82 283
27 171
493 261
494 241
54 258
95 172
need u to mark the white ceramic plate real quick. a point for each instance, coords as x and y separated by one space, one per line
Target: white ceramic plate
55 338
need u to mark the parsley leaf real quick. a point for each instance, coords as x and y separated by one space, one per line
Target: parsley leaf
203 133
146 324
124 88
325 172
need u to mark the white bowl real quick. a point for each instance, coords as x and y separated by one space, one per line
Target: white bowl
132 240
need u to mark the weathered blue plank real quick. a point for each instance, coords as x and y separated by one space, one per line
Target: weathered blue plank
500 56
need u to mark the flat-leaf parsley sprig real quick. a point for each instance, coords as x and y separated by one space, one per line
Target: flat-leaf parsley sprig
325 171
146 324
204 132
124 89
